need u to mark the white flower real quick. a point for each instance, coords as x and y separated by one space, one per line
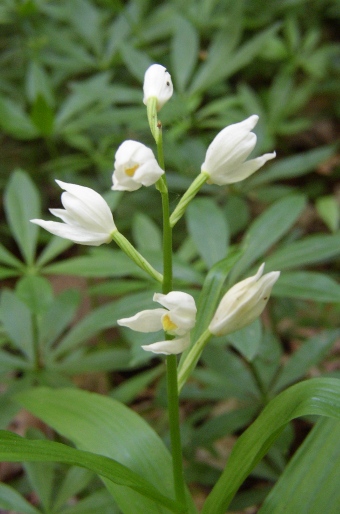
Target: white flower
243 303
135 166
177 319
87 217
225 160
157 84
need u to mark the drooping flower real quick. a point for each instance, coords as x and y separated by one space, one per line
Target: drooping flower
135 166
157 84
176 319
225 160
243 303
86 215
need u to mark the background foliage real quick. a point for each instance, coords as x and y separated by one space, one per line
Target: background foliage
71 78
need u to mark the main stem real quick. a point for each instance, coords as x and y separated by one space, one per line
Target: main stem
171 360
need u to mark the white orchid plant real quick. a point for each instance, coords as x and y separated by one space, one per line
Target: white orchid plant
87 220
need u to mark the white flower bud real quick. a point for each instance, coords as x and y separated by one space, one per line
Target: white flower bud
225 160
243 303
157 84
87 217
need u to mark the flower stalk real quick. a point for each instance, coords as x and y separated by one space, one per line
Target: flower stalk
137 258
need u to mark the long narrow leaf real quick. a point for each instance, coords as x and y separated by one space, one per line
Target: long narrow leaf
319 396
14 448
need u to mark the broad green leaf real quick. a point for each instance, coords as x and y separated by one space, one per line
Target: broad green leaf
14 448
320 396
247 340
42 116
307 285
130 388
74 481
36 292
83 361
312 476
310 353
62 308
17 321
136 61
103 317
98 501
267 229
208 228
56 246
7 258
38 83
40 474
22 203
291 167
109 428
14 120
329 210
11 500
146 233
219 65
310 250
184 51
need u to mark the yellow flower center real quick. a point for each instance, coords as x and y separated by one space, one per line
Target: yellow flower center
168 325
131 171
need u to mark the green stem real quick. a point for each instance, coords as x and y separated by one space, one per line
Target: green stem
192 358
131 251
187 197
171 360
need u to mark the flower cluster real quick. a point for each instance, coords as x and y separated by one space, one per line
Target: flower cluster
87 220
177 319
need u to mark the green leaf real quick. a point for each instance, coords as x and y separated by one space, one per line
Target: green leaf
267 229
312 476
320 396
307 285
136 61
310 353
56 246
7 258
291 167
247 340
40 474
74 481
208 228
219 65
103 317
11 500
22 203
42 116
17 322
109 428
15 122
63 308
14 448
146 234
211 292
35 292
310 250
184 51
329 211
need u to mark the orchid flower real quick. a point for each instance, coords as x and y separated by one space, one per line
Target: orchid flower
176 319
86 215
135 166
243 303
225 160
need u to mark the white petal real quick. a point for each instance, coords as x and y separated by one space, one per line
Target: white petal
76 234
157 84
170 347
144 321
91 205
